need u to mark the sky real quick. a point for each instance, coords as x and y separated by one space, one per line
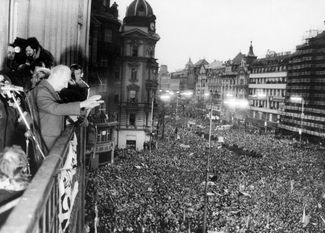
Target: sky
220 29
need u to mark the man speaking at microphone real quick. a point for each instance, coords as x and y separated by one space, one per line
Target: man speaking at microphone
50 108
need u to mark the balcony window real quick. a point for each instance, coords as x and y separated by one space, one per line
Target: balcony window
135 50
132 119
134 72
132 96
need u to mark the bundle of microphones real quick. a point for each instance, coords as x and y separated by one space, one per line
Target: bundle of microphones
4 88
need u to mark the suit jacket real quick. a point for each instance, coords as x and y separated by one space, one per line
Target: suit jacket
52 112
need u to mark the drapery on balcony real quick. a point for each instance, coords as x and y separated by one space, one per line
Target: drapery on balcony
38 208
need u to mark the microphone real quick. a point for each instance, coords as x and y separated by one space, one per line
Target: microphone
10 87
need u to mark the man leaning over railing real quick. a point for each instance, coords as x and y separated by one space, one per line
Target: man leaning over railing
51 111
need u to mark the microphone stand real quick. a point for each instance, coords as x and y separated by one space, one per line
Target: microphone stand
11 95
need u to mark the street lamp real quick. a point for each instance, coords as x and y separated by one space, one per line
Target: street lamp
151 120
165 98
299 99
207 167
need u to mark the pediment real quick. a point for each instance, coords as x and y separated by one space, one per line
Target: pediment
138 33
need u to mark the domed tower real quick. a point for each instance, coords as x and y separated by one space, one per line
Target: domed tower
138 77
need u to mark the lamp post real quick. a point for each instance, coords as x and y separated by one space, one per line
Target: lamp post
164 98
207 168
299 99
151 120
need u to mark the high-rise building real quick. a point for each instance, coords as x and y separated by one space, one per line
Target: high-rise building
304 112
139 71
267 88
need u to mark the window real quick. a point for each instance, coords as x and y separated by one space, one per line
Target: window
141 11
132 119
117 75
116 98
133 74
134 50
132 96
108 37
131 144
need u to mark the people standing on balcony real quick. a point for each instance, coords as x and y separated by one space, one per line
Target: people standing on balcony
51 110
16 56
36 53
78 89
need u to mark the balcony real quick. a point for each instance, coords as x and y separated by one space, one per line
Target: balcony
277 98
38 208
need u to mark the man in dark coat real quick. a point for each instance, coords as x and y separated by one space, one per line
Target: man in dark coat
36 53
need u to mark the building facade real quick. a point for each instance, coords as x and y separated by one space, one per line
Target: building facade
267 90
304 111
139 73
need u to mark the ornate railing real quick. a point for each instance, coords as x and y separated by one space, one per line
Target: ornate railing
38 207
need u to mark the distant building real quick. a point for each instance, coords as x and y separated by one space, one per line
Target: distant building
234 84
267 89
306 81
139 72
163 78
214 71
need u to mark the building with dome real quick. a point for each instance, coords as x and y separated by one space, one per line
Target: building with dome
139 72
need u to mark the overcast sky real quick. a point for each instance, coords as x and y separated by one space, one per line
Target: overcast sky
220 29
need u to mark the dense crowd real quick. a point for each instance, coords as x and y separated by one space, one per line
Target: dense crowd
281 190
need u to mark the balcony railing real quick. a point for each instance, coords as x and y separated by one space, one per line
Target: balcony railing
38 207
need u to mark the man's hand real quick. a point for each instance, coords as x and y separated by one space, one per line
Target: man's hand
91 102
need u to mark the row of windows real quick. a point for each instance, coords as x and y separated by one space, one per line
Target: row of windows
269 69
273 80
265 104
267 92
135 51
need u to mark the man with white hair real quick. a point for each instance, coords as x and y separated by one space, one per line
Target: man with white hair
51 110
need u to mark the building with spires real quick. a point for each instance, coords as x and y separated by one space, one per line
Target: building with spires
201 81
184 79
234 83
304 110
139 72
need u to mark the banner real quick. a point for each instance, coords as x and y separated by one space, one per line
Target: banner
68 186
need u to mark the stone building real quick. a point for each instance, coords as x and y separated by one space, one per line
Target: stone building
139 73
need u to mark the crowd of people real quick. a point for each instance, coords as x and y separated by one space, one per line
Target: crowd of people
37 95
257 183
